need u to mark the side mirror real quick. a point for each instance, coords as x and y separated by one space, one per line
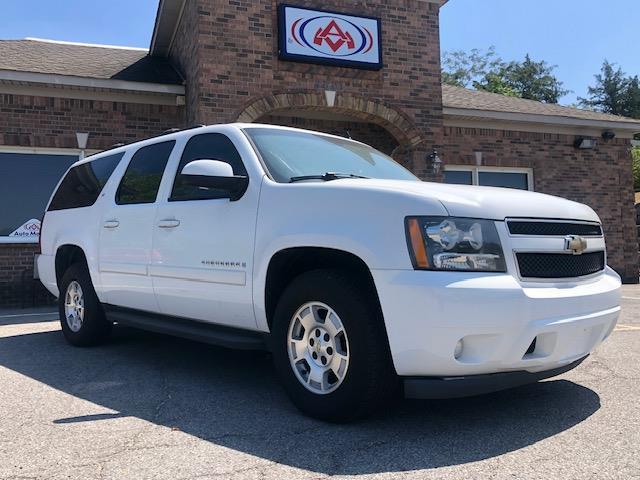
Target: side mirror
215 174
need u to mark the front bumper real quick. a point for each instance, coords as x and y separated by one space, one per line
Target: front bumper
456 387
496 317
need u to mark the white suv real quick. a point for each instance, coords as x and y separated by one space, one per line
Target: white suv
361 279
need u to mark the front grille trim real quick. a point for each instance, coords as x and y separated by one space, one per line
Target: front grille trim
549 228
558 266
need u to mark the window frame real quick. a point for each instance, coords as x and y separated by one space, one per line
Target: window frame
475 172
180 150
126 169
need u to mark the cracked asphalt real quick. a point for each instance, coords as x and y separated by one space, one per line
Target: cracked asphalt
148 406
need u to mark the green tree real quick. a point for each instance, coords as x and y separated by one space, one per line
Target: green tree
485 70
610 93
632 108
636 168
462 69
528 79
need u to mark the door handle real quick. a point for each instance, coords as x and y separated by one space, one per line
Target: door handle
169 223
111 224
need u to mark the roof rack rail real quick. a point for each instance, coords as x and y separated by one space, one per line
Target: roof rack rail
166 132
176 130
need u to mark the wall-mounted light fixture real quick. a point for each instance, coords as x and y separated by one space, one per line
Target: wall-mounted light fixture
585 143
435 162
608 135
82 138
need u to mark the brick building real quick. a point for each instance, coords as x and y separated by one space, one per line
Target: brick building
216 61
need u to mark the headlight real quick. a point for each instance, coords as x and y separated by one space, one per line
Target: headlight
454 244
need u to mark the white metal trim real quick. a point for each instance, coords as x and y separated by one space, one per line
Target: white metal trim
17 240
44 150
80 44
85 82
621 124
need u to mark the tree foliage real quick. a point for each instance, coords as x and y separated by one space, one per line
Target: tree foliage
636 168
463 69
485 70
614 92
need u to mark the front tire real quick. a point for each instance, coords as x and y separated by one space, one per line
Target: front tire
81 315
330 347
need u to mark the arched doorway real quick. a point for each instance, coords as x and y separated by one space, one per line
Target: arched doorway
365 120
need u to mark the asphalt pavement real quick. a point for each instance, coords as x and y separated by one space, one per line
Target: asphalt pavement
148 406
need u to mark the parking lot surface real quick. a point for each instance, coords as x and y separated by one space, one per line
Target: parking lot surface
149 406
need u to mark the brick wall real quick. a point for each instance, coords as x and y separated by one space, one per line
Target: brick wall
236 56
601 178
31 121
17 285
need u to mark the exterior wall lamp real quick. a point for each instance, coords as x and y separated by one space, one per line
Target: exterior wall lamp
82 138
435 162
585 143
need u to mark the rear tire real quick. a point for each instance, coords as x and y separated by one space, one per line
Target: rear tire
81 315
331 349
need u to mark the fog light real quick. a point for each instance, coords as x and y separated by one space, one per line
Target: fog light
458 351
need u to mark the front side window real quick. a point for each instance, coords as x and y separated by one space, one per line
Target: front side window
208 146
82 184
27 181
141 181
290 154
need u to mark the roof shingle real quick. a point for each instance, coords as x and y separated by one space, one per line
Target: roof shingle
87 61
463 98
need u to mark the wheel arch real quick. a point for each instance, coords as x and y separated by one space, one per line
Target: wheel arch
287 264
67 255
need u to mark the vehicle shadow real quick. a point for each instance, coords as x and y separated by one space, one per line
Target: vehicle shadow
233 399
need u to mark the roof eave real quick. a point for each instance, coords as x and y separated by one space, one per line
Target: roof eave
167 21
531 118
87 82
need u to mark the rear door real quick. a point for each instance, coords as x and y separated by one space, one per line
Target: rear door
127 229
203 242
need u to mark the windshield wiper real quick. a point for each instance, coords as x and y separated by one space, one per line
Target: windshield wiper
327 177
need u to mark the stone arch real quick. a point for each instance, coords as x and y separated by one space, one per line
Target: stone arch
396 123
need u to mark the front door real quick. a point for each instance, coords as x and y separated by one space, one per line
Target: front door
127 229
203 243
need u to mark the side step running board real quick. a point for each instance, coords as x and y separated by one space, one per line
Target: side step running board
219 335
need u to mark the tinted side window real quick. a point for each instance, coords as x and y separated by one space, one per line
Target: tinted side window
141 181
82 184
211 146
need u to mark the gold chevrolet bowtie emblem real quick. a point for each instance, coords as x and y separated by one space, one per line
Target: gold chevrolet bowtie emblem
575 244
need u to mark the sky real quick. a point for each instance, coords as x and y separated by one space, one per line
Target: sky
575 35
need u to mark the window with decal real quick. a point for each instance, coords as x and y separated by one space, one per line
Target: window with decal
208 146
141 181
27 181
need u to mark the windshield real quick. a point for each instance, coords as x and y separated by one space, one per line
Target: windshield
290 155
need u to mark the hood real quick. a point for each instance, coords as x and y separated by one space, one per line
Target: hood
482 202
